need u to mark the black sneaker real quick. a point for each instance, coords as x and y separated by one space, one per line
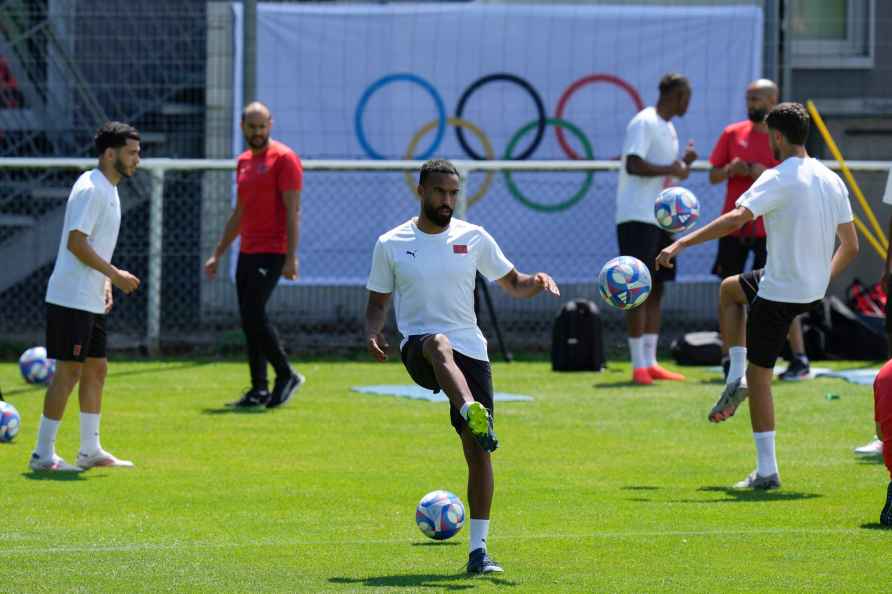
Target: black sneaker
479 563
480 423
252 398
799 369
283 390
886 514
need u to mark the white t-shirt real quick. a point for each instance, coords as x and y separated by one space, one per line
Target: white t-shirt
653 139
93 208
802 202
433 278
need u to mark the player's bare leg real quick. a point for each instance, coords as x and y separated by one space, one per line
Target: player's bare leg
481 487
761 404
44 458
438 352
652 322
92 383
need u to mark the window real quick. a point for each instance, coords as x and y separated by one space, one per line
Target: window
832 33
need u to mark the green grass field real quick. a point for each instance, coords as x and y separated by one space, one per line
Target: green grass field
600 487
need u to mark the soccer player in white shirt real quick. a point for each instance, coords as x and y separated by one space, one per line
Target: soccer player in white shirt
805 207
78 296
650 159
429 266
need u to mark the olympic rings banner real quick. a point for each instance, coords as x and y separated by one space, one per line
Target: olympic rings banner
491 81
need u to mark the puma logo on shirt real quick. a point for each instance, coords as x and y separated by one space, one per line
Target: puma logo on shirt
411 253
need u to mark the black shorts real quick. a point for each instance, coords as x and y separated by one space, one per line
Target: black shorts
74 334
477 373
767 326
645 242
888 308
734 251
749 282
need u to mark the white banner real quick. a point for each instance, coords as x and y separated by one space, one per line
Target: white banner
491 81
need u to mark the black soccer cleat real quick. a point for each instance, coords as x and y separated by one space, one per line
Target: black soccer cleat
886 514
252 398
799 369
480 563
283 390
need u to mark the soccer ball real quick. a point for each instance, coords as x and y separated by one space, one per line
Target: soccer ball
440 515
624 282
9 422
35 367
676 209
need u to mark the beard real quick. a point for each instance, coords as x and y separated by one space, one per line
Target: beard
257 141
122 169
757 116
438 216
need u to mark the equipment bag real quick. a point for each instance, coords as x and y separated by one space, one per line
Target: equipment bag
577 338
698 348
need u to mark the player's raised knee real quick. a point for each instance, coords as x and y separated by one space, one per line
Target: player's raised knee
438 345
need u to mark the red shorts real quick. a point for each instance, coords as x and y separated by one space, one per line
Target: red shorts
882 410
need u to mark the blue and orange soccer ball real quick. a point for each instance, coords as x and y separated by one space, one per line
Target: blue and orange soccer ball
10 421
440 515
624 282
676 209
35 367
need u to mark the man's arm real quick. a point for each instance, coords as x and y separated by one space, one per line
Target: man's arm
375 317
635 165
523 286
291 198
736 168
725 224
81 248
230 232
847 250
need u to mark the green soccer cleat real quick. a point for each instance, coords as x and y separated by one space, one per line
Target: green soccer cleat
480 423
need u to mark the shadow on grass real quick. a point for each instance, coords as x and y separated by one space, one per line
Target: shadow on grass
112 373
436 543
227 410
459 581
623 384
748 495
869 460
62 477
640 488
875 526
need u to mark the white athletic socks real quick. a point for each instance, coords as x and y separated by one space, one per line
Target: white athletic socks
46 437
636 349
738 363
479 530
89 433
650 349
766 461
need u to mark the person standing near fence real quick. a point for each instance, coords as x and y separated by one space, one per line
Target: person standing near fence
78 297
805 207
650 157
429 265
266 217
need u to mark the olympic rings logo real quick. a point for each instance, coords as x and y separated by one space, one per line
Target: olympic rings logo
536 128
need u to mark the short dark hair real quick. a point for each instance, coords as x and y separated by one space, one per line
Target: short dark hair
672 82
791 120
114 135
437 166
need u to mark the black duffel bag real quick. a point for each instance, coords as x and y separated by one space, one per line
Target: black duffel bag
577 340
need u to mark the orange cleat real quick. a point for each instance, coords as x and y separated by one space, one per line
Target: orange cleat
641 376
658 373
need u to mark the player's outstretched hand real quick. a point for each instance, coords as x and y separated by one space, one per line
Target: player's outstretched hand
544 280
125 281
665 257
210 267
377 346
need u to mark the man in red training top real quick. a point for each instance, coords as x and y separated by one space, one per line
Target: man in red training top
267 217
882 414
